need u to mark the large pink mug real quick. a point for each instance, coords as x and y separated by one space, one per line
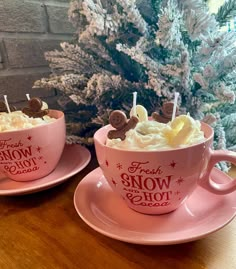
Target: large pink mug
33 153
157 182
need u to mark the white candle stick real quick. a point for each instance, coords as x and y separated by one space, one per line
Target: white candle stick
27 96
175 105
134 103
6 103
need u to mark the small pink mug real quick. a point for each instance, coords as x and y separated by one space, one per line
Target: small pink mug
158 182
33 153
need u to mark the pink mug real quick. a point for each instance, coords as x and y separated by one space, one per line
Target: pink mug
158 182
33 153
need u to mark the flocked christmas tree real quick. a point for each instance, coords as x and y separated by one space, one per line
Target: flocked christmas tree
154 47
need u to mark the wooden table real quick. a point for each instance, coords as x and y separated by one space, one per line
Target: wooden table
43 230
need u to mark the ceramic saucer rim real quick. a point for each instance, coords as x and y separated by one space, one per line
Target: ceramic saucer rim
134 239
52 183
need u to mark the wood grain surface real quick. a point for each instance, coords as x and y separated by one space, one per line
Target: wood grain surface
43 231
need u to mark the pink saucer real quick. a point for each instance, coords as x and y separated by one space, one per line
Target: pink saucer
74 158
203 213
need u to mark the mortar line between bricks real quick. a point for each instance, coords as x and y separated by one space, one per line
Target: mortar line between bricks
24 71
47 36
5 55
46 20
49 3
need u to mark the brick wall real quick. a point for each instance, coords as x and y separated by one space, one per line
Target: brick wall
28 28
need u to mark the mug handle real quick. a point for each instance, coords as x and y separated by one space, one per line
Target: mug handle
208 183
